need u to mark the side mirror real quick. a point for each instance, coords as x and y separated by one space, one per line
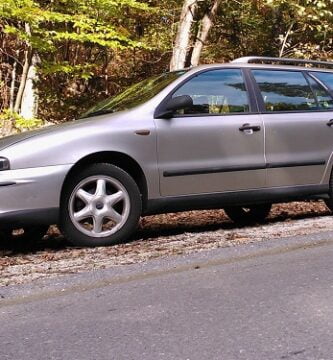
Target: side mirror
174 104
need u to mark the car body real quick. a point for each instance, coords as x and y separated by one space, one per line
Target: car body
267 139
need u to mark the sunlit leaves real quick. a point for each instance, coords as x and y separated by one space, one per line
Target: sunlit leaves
18 123
311 24
82 21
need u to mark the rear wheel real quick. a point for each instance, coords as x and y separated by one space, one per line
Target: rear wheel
101 205
248 214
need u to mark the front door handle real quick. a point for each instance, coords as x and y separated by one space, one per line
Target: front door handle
330 123
245 127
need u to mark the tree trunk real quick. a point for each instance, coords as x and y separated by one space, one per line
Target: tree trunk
29 103
183 35
26 98
12 85
205 26
26 65
285 39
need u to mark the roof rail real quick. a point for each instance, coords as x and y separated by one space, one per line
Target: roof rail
264 59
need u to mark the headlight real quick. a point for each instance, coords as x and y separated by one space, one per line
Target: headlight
4 164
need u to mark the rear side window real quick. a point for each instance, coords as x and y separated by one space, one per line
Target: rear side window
284 90
324 99
215 92
325 78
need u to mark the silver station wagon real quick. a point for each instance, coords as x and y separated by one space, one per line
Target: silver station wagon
238 136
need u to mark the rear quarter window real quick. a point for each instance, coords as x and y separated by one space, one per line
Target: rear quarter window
324 77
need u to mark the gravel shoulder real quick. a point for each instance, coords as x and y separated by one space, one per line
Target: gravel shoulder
159 236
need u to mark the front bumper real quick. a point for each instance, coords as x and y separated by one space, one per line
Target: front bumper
28 194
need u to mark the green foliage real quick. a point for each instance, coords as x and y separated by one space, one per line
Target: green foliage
18 123
304 25
74 39
81 21
84 71
292 28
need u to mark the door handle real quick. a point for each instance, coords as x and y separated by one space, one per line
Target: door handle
245 127
330 123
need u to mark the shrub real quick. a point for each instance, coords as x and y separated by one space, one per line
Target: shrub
13 123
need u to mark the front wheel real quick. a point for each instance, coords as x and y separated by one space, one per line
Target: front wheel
101 205
248 214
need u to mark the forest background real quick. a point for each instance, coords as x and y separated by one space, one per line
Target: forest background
59 57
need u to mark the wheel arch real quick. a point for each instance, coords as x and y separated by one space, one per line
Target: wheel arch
121 160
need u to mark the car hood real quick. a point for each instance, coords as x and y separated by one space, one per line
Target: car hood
13 139
77 124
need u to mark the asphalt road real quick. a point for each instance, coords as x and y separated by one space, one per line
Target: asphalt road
272 300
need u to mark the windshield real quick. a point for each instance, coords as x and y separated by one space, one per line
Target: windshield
135 95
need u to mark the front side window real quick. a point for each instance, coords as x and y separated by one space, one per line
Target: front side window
284 90
215 92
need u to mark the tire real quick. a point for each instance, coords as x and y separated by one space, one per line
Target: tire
101 205
248 214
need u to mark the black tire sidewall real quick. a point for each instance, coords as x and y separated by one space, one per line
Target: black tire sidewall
76 237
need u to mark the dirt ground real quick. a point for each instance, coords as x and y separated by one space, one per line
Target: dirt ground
158 236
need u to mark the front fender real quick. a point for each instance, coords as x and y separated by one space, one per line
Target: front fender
69 144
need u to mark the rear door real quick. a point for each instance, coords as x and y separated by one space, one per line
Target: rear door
296 113
207 148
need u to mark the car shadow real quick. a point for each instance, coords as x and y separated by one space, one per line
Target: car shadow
148 231
226 224
19 244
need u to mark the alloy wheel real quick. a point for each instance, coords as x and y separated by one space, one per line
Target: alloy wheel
99 206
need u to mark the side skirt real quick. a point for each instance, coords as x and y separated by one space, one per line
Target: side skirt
234 198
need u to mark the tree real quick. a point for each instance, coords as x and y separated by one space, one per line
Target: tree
182 41
65 55
196 20
205 25
41 30
304 27
300 28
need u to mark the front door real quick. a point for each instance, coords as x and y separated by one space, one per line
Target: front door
215 146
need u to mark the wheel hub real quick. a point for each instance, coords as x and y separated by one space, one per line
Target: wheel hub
99 206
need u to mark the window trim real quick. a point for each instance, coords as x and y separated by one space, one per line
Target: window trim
260 100
252 102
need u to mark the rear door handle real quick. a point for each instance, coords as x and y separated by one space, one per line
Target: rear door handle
245 127
330 123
